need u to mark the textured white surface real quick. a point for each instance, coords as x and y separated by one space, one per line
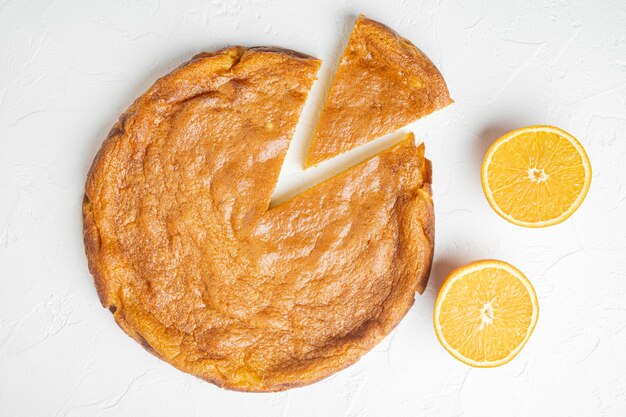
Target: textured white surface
69 68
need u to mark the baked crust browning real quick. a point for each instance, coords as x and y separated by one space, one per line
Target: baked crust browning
194 265
383 83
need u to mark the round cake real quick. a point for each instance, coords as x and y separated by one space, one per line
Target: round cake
194 264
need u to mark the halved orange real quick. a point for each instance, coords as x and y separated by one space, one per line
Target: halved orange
485 313
536 176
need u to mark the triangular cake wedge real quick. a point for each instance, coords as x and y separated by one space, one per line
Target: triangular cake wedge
383 83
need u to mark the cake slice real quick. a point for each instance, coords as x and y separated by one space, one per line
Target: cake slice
383 83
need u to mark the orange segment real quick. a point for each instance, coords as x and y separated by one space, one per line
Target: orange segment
485 312
536 176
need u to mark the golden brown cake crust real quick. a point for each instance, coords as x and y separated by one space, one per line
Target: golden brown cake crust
382 84
195 267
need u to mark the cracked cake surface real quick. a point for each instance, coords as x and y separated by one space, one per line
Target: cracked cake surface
196 267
